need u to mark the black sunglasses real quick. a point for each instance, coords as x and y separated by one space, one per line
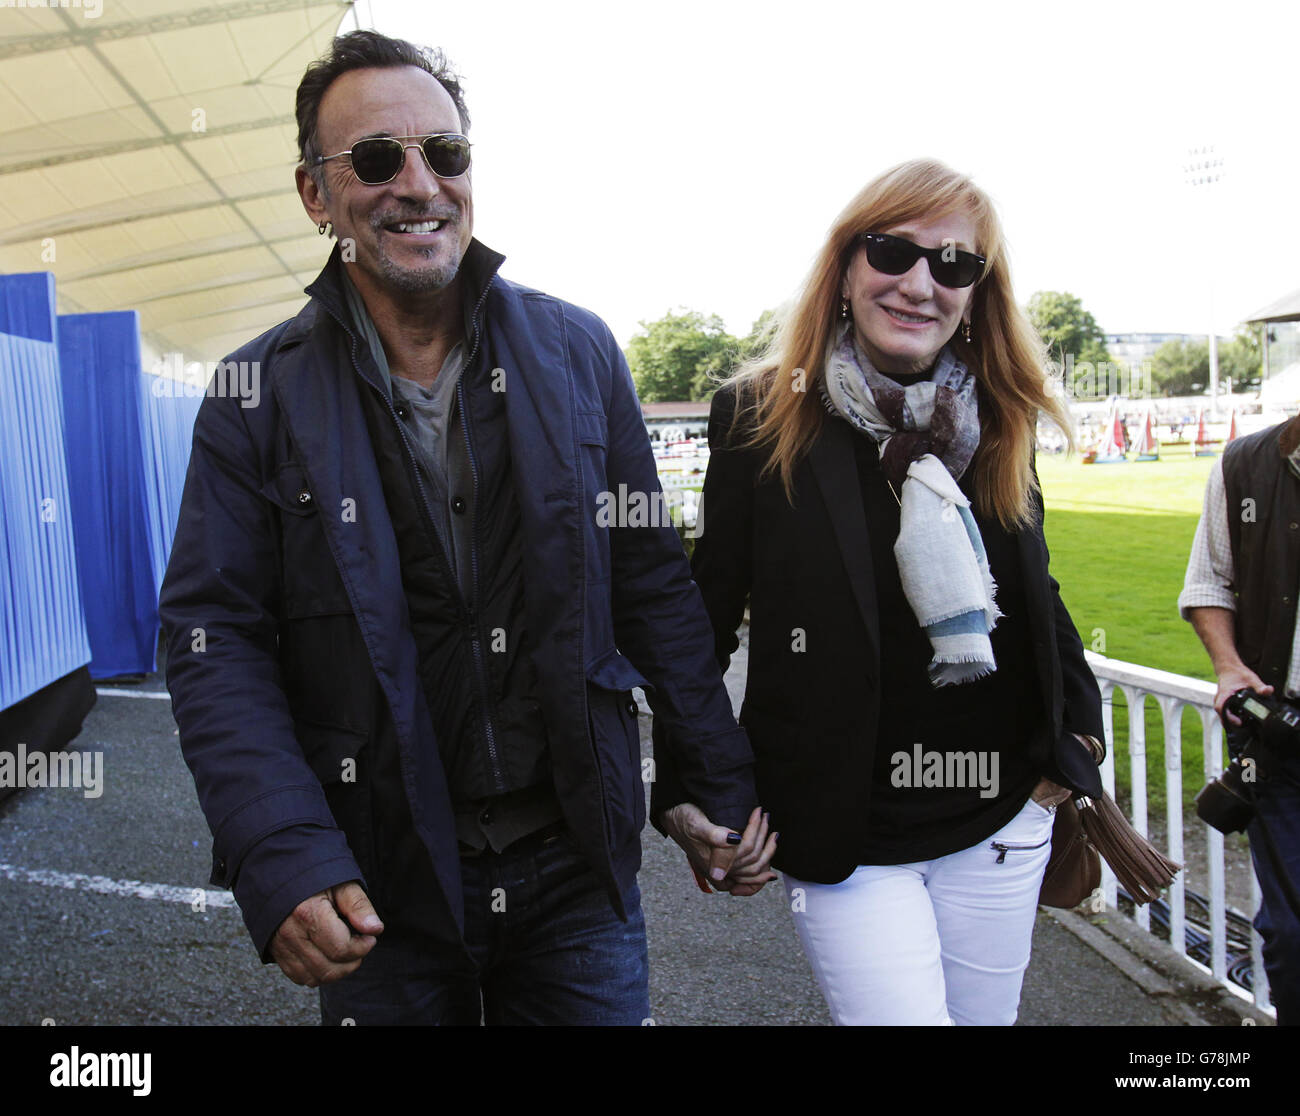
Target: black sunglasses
950 267
380 159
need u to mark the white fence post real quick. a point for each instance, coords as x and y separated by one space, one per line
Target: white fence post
1172 692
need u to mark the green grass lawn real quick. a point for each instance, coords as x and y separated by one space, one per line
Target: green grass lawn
1119 536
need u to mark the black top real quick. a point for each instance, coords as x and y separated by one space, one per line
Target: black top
921 726
473 642
804 562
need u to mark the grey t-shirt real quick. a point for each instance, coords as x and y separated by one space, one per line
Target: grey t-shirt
433 420
433 424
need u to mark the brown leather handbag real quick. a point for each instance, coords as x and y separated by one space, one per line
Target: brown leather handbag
1085 830
1074 868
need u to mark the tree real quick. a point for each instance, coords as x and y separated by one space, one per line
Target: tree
1066 328
1181 367
1242 359
680 357
760 335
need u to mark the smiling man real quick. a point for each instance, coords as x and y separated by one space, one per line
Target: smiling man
401 647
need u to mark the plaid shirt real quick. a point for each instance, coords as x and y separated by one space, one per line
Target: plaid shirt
1211 572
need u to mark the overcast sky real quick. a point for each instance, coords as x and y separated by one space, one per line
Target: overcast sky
639 157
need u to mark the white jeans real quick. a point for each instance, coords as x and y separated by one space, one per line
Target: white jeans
933 942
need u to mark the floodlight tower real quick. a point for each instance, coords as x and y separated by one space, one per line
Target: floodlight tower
1203 170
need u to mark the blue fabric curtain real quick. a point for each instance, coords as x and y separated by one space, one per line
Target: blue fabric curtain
42 626
99 356
167 416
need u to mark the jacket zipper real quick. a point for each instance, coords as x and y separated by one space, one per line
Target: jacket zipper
475 642
466 613
476 646
1005 847
469 613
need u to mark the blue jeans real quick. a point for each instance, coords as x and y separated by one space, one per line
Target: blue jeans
1277 804
547 946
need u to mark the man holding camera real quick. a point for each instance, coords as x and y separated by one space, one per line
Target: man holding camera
1240 593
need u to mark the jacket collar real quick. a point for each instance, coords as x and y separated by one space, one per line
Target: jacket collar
479 268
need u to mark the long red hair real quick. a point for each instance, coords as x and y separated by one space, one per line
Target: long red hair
778 392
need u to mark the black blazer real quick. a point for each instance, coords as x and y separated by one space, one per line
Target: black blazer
811 714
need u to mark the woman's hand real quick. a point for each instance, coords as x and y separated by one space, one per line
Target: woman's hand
1051 795
740 868
749 871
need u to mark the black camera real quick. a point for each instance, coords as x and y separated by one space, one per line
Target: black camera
1269 726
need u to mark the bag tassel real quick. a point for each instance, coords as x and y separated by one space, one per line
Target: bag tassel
1142 870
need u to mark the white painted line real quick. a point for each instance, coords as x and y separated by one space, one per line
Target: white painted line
102 885
105 692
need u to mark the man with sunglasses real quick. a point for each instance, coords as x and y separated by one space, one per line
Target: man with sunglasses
409 712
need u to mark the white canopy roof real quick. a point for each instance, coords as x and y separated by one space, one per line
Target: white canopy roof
146 158
1281 389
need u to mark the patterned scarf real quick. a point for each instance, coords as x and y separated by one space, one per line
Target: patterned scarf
927 433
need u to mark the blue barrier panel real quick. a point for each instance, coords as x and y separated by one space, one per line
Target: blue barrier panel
27 305
42 626
167 416
99 356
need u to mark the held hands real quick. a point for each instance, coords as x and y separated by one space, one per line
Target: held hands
741 867
327 936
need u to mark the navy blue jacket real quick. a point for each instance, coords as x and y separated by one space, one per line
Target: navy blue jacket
284 589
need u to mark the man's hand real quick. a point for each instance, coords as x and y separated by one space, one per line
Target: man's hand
1230 681
740 867
327 936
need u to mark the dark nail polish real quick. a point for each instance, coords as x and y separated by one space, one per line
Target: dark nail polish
733 838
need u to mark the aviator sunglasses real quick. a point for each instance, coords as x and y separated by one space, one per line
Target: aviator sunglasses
950 267
380 159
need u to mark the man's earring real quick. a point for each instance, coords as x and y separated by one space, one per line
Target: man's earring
965 330
325 225
844 309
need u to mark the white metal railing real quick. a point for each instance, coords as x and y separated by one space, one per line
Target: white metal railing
1172 692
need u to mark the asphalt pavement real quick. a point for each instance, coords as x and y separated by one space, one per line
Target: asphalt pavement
110 919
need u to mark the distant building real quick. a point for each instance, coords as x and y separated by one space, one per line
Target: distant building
675 422
1134 348
1280 388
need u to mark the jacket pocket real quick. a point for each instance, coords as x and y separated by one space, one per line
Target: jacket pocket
592 429
601 505
616 740
309 579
